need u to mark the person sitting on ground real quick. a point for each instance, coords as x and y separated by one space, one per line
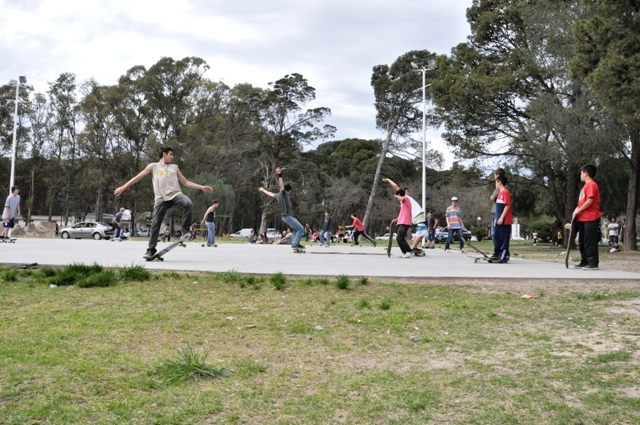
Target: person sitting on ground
253 238
126 234
287 238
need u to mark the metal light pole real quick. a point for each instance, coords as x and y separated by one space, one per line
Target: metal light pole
21 80
431 64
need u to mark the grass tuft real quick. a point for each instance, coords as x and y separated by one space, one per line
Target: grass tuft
10 275
231 276
188 365
363 304
385 303
135 273
364 280
84 269
98 280
66 278
343 281
614 356
323 281
278 280
246 368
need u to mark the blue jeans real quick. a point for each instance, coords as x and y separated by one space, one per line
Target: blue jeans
118 232
450 238
325 236
211 232
296 227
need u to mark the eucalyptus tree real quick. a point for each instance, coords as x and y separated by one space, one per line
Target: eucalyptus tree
397 100
507 94
608 58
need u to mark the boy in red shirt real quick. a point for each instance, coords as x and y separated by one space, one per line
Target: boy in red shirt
588 215
504 219
359 230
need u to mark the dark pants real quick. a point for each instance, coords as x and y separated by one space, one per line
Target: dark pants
356 235
450 238
589 234
503 235
401 238
160 209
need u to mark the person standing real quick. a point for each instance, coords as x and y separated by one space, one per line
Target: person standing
454 224
307 232
504 220
117 226
359 230
325 230
283 198
404 222
588 215
494 196
432 224
612 228
166 179
210 220
10 212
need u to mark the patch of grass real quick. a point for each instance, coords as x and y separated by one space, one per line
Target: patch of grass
84 269
363 303
278 280
364 280
246 368
98 280
593 296
252 281
188 365
342 282
614 356
10 275
66 277
47 272
323 281
231 276
134 273
385 303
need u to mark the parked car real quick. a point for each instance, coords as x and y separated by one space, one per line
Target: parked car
443 234
143 232
385 237
243 233
87 229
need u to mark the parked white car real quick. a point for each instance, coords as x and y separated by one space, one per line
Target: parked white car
243 233
87 229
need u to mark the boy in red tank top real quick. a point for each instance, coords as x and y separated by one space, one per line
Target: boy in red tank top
588 216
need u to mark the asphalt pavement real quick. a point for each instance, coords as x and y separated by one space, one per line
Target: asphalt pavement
339 259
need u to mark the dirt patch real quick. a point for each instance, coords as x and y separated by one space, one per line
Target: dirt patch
628 307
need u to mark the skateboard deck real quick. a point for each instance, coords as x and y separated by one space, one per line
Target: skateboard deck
26 266
390 244
573 229
12 240
418 253
158 256
477 259
484 256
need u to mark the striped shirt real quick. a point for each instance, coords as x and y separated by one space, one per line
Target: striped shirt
455 217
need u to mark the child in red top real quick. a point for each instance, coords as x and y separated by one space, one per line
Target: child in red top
588 214
359 230
504 219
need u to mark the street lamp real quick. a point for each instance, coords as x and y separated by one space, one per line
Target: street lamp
21 80
431 65
479 218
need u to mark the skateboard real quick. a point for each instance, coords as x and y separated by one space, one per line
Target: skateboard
573 229
158 256
26 266
418 252
12 240
298 250
477 259
390 239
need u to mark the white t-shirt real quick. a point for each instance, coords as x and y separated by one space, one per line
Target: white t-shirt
613 229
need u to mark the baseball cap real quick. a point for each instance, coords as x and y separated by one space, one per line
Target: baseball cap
455 198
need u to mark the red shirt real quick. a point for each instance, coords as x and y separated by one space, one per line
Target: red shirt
503 200
358 224
590 190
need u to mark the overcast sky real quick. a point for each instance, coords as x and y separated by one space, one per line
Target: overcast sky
334 44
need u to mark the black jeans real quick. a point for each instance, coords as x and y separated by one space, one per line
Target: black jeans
589 235
160 209
357 234
401 238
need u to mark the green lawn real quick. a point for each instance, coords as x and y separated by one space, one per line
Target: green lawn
310 353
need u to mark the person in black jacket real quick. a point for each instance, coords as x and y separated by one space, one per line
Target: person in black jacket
325 230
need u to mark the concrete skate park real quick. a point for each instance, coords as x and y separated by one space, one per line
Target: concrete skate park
316 261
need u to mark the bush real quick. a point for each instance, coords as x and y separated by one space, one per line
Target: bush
278 280
342 282
479 232
137 273
545 229
98 280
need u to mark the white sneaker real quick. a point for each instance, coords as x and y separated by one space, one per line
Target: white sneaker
407 255
462 251
448 251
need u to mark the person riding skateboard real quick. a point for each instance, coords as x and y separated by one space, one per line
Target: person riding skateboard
166 178
10 212
285 202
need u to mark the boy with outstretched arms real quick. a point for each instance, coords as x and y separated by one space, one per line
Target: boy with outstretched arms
166 179
358 229
10 212
588 214
503 222
417 218
285 202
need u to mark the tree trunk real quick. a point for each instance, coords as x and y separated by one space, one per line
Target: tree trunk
263 223
632 192
376 179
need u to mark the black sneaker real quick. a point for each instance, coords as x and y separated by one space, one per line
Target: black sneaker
297 246
375 244
580 265
591 266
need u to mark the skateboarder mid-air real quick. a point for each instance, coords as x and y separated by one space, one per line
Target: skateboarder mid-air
285 202
166 179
